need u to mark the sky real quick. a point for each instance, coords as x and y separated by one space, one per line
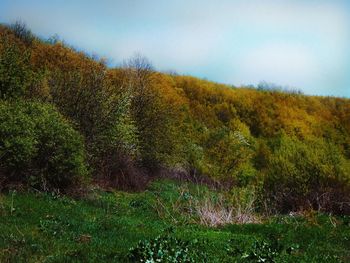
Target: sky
298 44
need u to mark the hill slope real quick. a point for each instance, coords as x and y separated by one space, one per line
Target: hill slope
136 122
75 134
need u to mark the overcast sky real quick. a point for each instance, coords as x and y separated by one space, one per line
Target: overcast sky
301 44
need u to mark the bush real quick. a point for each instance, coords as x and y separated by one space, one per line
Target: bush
39 148
228 155
235 207
307 174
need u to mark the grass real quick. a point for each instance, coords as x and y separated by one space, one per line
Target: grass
104 226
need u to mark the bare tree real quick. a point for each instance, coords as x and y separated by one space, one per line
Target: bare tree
21 31
139 72
138 80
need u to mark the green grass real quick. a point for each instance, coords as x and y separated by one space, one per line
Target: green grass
37 227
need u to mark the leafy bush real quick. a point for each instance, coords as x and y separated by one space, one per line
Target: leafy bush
307 174
228 155
166 248
38 147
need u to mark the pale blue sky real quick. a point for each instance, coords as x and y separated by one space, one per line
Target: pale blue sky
301 44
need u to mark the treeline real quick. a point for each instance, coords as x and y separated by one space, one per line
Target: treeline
67 119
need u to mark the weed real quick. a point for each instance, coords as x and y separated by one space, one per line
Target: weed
166 248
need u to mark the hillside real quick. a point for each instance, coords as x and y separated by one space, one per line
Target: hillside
79 141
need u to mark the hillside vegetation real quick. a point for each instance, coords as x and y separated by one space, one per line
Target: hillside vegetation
133 121
70 123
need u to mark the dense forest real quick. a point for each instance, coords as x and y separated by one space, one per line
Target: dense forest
68 120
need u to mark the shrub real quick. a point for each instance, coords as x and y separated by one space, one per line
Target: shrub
237 207
38 147
214 212
243 199
307 174
194 158
228 155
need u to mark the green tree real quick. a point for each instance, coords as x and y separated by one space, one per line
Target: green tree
15 71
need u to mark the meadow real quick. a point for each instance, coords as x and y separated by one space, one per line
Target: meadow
119 227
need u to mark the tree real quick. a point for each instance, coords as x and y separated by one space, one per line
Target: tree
22 32
15 71
151 114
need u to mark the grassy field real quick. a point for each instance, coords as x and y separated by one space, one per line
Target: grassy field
105 226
